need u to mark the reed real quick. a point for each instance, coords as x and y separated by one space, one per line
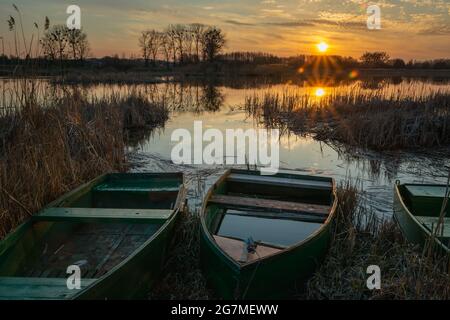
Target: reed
52 143
368 119
183 278
360 239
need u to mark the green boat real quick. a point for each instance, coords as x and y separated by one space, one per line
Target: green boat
417 208
113 231
262 236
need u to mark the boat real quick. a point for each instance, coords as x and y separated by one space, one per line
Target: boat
417 209
262 236
106 239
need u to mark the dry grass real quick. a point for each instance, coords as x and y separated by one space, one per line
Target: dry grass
183 278
359 118
361 239
52 144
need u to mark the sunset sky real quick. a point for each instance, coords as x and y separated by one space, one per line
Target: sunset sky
410 28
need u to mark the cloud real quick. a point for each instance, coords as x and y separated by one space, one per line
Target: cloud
238 23
290 24
438 30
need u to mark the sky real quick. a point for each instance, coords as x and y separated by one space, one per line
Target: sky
410 29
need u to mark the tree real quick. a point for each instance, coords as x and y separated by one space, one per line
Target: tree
172 42
375 59
178 33
398 63
167 47
197 30
78 43
150 43
55 41
213 41
60 42
49 46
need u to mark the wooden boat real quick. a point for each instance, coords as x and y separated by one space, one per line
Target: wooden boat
262 235
116 229
417 208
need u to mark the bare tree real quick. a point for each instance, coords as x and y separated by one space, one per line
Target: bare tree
167 47
78 43
213 42
83 48
182 43
178 33
197 30
375 59
54 42
49 46
143 44
150 43
170 32
188 39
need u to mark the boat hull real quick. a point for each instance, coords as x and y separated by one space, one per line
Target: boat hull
276 276
411 229
135 278
123 247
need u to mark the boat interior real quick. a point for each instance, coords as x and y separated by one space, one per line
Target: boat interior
425 202
95 228
252 216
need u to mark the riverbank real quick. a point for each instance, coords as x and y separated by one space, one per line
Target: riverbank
124 74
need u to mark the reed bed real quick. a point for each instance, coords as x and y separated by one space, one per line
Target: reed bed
183 279
51 144
367 119
361 239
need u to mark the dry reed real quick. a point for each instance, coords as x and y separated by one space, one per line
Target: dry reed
359 118
49 145
361 239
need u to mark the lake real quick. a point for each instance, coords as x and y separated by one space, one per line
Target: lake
220 105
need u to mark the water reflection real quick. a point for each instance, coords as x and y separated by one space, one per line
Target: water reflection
218 105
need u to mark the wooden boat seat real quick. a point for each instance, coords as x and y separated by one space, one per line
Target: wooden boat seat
431 223
280 181
119 188
275 208
103 214
235 248
25 288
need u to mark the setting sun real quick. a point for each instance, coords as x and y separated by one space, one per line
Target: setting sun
320 92
322 46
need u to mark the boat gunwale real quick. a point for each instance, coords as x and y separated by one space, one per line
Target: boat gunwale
175 211
178 206
413 217
289 249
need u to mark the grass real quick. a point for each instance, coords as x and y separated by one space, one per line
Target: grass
183 278
51 144
375 120
360 239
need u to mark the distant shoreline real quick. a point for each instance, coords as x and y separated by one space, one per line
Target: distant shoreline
269 72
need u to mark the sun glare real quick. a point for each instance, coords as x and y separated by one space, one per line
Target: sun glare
320 92
322 46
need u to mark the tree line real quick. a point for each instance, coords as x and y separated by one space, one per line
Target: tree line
61 43
57 42
182 44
